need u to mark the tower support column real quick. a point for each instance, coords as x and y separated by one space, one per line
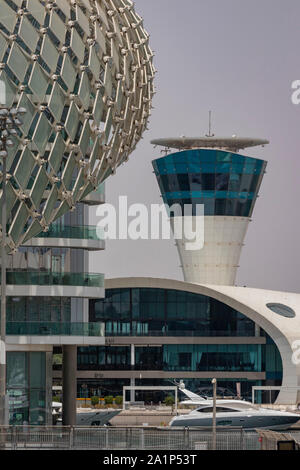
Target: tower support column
69 370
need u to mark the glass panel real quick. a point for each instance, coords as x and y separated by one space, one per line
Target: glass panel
12 152
63 209
8 17
57 27
24 168
102 15
17 62
10 200
100 37
82 20
115 55
30 113
57 152
98 107
50 204
57 102
29 34
39 187
37 407
65 7
18 225
49 53
42 133
108 79
68 73
94 63
108 124
79 183
68 171
3 47
37 10
16 370
77 45
119 97
38 82
85 137
72 121
85 90
37 370
33 230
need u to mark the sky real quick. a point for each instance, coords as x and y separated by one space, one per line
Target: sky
237 58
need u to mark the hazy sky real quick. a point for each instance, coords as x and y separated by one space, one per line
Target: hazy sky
237 58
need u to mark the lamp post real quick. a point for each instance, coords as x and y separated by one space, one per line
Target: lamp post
9 122
214 426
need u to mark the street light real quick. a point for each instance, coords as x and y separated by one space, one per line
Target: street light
214 424
9 123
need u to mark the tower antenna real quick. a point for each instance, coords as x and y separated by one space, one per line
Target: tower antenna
209 126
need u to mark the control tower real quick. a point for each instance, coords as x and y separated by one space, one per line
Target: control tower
211 171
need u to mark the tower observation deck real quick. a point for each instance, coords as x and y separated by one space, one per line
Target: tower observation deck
210 171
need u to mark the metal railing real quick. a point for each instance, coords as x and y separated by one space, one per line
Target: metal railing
126 438
68 231
269 439
49 278
54 328
179 333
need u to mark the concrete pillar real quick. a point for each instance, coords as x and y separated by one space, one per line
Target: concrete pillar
132 363
69 384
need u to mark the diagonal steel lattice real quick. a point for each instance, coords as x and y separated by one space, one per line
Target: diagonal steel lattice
83 70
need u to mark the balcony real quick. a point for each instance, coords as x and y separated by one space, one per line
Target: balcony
55 333
80 232
182 333
49 278
45 283
85 237
54 329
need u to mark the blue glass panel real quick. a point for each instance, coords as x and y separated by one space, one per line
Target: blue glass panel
222 181
208 181
194 167
237 167
249 168
223 156
181 157
183 182
238 159
208 167
181 168
195 182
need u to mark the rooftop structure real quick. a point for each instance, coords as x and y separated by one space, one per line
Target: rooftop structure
208 172
84 73
232 144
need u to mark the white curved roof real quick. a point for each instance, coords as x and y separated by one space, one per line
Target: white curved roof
251 302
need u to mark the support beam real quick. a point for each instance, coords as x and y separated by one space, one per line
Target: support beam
69 369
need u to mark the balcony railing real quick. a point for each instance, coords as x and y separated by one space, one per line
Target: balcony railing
80 232
47 278
178 333
54 329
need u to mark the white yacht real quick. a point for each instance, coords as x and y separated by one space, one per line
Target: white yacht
234 413
84 417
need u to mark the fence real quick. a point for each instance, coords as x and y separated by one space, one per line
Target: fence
129 438
269 439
